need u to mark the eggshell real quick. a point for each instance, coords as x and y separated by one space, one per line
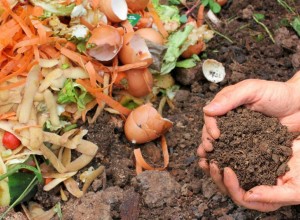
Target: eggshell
134 50
115 10
139 82
213 70
151 35
137 5
145 124
107 42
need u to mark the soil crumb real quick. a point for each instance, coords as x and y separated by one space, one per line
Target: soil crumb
255 146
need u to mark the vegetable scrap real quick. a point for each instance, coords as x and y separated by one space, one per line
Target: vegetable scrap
62 61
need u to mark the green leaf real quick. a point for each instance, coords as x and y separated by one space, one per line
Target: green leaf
17 167
183 18
174 2
296 25
74 93
259 17
204 2
215 7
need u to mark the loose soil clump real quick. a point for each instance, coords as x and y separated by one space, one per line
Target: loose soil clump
255 146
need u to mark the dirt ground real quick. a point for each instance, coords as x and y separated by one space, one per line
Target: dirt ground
183 191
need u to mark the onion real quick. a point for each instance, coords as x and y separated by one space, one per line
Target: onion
137 5
151 35
134 50
105 43
115 10
145 124
139 82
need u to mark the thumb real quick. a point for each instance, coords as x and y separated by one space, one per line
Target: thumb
231 97
273 194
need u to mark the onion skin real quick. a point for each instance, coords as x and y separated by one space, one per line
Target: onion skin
128 55
145 124
139 82
151 35
137 5
193 49
105 35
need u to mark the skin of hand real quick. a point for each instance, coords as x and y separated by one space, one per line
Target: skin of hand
276 99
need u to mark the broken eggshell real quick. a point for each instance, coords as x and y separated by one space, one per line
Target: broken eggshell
139 82
151 35
115 10
104 43
134 50
145 124
137 5
213 70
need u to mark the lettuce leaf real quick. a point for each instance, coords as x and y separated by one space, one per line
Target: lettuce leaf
74 93
175 41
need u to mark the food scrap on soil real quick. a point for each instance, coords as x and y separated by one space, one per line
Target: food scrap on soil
62 61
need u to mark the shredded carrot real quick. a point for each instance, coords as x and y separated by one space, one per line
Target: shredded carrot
75 57
7 115
200 15
37 11
101 97
142 164
86 23
47 180
92 73
157 20
142 64
78 2
71 46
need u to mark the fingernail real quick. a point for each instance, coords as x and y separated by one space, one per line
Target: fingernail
211 107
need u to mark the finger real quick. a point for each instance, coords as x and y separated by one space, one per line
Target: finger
203 164
229 98
201 152
211 126
237 194
285 194
206 140
290 122
217 177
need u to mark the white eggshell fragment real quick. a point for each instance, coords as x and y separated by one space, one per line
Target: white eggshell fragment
213 70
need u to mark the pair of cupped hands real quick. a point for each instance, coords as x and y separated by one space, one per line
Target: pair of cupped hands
276 99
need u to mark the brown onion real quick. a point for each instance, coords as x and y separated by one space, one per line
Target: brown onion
145 124
139 82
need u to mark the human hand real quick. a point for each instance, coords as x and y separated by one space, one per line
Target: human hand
276 99
264 198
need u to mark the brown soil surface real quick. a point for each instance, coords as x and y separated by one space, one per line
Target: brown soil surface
255 146
183 191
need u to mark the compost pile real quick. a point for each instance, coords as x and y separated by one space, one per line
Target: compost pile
255 146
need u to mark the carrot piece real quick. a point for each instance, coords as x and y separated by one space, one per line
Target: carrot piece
142 164
157 20
95 4
86 23
7 115
37 11
75 57
47 180
36 53
200 15
100 97
21 22
126 67
71 46
92 73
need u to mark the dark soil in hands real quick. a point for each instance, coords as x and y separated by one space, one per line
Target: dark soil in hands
255 146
